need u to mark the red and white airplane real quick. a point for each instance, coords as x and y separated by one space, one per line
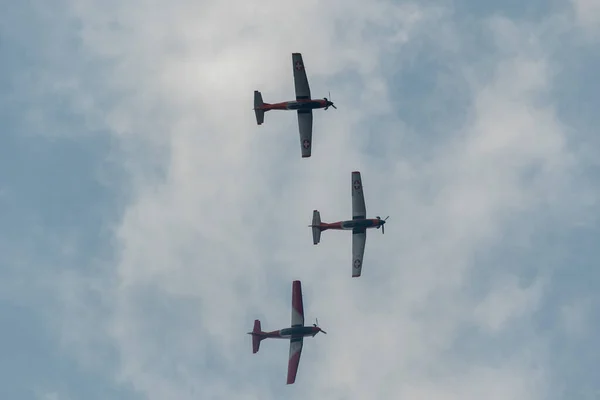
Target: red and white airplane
295 333
303 104
358 224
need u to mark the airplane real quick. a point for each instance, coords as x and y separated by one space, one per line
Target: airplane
303 104
358 224
295 333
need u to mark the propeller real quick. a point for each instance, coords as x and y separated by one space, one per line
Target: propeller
329 102
316 325
382 226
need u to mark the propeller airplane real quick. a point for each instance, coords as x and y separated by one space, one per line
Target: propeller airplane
358 224
303 104
296 333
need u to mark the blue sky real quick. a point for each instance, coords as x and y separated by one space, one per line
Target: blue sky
147 220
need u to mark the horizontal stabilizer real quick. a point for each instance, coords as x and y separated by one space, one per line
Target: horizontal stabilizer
258 104
257 336
316 227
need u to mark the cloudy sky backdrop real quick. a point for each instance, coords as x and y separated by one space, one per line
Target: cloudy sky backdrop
146 220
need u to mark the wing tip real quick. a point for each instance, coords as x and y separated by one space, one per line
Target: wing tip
303 156
356 172
355 276
293 363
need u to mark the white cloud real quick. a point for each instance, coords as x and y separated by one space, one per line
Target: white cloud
587 13
215 239
507 301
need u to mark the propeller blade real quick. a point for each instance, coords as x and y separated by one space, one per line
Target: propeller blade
383 229
323 331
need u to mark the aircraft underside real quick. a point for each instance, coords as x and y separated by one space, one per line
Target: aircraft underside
351 224
295 105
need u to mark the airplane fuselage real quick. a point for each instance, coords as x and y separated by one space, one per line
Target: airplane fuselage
352 224
293 332
308 104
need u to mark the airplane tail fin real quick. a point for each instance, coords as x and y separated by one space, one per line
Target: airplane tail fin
258 104
316 227
256 336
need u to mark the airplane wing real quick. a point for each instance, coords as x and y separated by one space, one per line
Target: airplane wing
359 211
294 361
297 307
300 79
359 238
305 123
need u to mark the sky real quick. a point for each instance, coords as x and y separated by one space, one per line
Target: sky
147 220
